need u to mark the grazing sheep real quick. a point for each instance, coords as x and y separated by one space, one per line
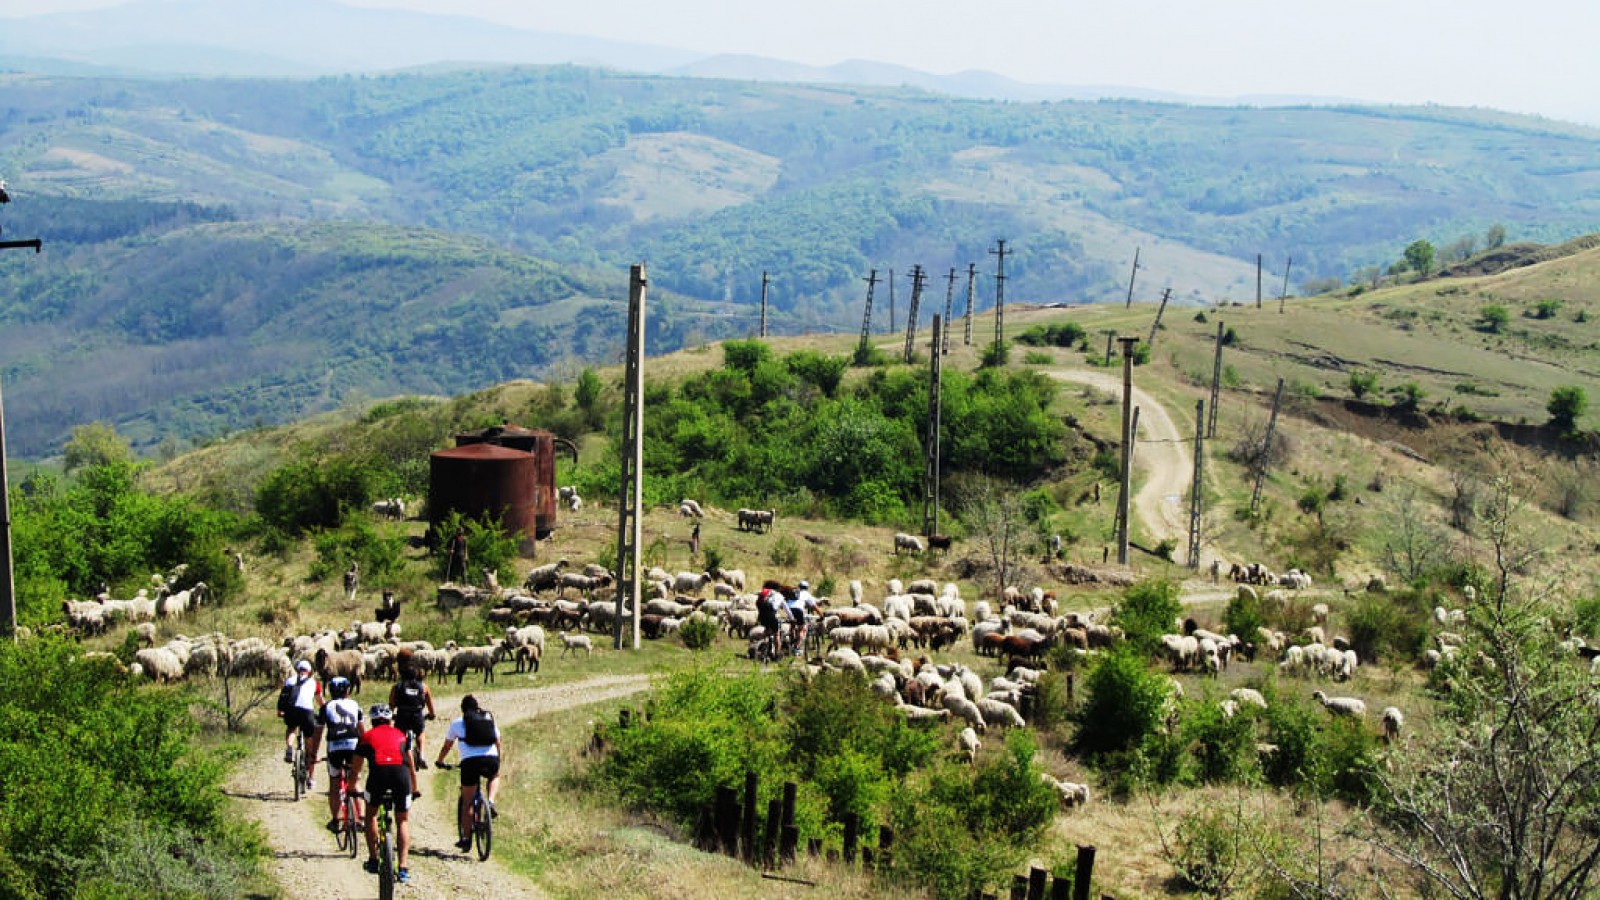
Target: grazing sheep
392 508
575 503
845 659
917 714
884 686
996 713
160 663
1393 721
969 743
572 643
732 577
482 658
690 509
691 583
1248 695
545 577
1349 707
756 520
965 709
343 663
908 543
1073 794
1319 613
855 593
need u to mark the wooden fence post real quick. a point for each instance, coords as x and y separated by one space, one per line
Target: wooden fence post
747 824
1084 874
852 827
770 840
728 820
1061 889
1019 887
1036 881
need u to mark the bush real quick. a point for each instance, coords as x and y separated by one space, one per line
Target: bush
1061 334
785 553
994 355
1224 747
1146 612
1124 703
698 632
312 493
1493 318
1208 850
1037 358
378 550
1166 548
488 545
1566 406
1362 383
1244 616
745 355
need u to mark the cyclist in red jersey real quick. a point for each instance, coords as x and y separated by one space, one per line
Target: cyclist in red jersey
388 750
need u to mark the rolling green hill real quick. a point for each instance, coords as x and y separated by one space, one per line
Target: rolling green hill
185 287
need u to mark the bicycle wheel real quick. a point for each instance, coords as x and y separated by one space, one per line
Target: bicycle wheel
298 770
351 829
386 868
483 828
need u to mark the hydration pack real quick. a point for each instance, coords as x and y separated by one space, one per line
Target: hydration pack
411 695
478 726
288 694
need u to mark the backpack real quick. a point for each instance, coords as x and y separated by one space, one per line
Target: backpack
288 694
338 730
478 728
410 695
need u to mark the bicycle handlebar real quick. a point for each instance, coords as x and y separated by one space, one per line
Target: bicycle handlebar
445 766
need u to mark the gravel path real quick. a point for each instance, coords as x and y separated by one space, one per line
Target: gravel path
306 862
1161 451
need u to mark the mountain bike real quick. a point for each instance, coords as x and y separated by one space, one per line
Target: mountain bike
349 819
386 847
300 771
480 822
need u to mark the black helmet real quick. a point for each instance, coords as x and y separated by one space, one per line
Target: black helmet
339 688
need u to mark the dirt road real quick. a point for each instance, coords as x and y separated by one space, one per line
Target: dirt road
1161 452
306 863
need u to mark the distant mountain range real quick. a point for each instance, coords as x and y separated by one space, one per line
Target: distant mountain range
309 38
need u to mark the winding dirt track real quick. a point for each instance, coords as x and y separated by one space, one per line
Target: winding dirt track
1161 452
306 863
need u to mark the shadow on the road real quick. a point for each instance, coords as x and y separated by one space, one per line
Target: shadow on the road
306 854
449 855
262 796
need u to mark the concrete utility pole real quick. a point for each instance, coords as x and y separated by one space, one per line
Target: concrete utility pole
1284 294
1160 311
1110 336
1266 447
930 479
1000 255
8 588
1216 385
764 283
1258 281
630 526
949 301
972 279
917 278
891 300
1127 447
866 320
1131 276
1198 491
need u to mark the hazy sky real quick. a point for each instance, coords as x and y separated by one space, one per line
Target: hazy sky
1535 56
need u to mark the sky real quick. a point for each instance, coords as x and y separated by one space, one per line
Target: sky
1536 56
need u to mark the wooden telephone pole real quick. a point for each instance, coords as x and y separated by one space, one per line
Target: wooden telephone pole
972 279
1160 311
1197 491
1131 276
1127 447
930 478
630 525
1000 255
8 590
917 278
764 283
1284 294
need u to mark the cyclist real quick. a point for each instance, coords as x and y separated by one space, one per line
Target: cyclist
802 609
413 706
388 750
297 706
342 724
480 759
768 602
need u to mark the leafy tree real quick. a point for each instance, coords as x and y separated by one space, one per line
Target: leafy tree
1547 308
95 444
1408 397
1146 611
1494 237
587 393
1124 704
1419 257
1493 318
1567 405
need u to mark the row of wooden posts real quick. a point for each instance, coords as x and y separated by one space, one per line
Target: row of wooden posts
730 827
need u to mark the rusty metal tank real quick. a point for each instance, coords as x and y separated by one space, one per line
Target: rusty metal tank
541 445
484 479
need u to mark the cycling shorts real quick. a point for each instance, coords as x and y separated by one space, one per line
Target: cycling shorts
301 718
479 768
411 721
385 781
337 760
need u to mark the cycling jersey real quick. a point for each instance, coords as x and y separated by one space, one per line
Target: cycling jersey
458 733
384 745
342 718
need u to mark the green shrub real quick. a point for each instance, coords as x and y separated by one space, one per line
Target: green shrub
1586 616
378 550
1037 358
1244 615
1166 548
488 545
1224 747
312 493
1124 703
1146 612
994 355
1362 383
784 553
1208 850
745 355
698 632
1060 334
818 369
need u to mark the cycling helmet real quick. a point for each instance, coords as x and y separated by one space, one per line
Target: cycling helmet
805 585
339 688
380 712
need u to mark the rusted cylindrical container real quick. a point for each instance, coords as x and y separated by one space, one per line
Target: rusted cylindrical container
482 479
541 444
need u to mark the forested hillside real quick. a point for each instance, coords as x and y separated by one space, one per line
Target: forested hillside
711 182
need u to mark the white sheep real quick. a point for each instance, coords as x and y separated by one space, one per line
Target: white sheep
392 508
692 583
855 592
160 663
996 713
732 577
908 543
481 658
965 709
572 643
1349 707
689 509
1319 613
884 686
969 743
1393 721
1248 695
